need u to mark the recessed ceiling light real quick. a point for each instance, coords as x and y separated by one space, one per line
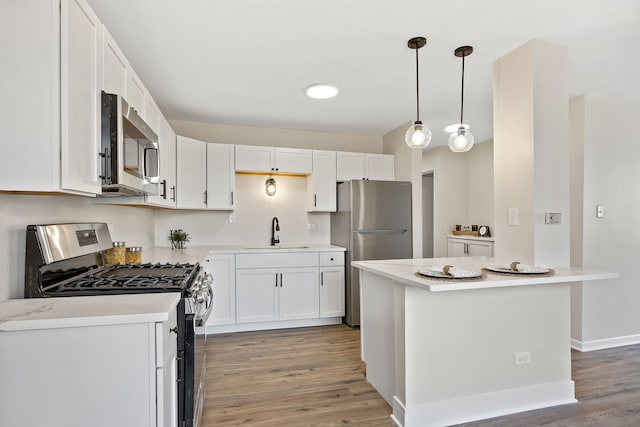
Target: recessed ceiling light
454 127
322 91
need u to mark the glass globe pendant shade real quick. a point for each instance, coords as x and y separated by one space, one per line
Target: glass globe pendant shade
461 140
270 186
418 135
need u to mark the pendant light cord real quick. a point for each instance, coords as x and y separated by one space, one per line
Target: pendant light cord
417 88
462 94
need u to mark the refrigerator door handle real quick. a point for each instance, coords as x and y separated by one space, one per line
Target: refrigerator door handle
402 231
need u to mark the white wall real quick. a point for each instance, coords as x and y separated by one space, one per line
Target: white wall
253 214
609 176
250 135
480 184
450 192
132 225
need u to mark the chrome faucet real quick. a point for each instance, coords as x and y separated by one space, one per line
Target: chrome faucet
275 226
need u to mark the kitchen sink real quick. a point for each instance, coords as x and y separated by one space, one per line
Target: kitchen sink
277 247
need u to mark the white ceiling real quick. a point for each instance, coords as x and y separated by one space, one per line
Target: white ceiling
248 62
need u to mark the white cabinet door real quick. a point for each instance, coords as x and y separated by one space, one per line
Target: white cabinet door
256 295
321 184
456 247
479 248
379 167
136 93
222 268
80 82
331 291
191 175
166 396
167 143
250 158
114 66
293 160
350 166
298 293
221 176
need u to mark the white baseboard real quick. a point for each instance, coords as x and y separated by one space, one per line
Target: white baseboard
281 324
488 405
602 344
398 412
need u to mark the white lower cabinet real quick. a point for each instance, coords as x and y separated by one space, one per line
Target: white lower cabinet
254 291
277 294
102 375
462 247
222 267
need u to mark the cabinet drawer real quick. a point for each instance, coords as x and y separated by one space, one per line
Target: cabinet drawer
332 258
286 259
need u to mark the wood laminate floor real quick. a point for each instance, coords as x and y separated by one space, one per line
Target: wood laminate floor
314 377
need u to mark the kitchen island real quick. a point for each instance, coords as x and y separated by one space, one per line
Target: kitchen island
448 351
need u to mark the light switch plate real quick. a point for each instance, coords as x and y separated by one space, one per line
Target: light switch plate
552 218
512 216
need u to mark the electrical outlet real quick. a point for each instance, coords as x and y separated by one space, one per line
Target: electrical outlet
599 211
232 218
522 358
311 226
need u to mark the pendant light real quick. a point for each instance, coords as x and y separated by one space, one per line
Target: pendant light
461 138
418 135
270 186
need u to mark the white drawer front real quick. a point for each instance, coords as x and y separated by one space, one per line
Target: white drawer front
282 259
332 258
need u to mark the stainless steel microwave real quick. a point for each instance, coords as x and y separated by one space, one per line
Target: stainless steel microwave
130 157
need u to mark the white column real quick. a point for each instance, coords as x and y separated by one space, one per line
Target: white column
531 154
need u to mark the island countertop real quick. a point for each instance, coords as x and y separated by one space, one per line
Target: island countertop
405 271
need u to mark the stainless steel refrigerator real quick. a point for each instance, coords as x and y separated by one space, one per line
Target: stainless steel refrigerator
373 221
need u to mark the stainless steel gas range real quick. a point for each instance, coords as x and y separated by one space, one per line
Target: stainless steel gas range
65 260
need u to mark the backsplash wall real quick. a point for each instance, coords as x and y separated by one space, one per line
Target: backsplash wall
132 225
253 214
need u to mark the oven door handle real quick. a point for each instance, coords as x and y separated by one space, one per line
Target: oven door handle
207 283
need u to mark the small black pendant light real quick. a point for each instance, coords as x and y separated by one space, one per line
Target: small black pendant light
461 139
418 135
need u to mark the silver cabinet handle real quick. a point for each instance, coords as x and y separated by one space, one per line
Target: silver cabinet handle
173 191
322 278
232 198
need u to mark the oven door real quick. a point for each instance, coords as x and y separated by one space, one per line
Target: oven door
186 359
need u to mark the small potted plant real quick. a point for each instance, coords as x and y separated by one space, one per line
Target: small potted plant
179 238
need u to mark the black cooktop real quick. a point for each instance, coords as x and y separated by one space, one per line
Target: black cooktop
128 278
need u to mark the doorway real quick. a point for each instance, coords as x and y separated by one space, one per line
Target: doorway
427 214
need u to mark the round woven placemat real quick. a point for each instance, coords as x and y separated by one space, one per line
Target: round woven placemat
453 279
551 272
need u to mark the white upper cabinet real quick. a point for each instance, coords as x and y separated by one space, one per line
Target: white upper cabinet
51 74
205 175
379 167
293 160
364 166
221 177
321 184
350 166
191 173
250 158
136 93
167 144
114 66
80 53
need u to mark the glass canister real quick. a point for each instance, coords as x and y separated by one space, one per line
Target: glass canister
133 255
116 255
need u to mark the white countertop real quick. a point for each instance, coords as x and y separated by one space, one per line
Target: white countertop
199 253
404 271
470 237
68 312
